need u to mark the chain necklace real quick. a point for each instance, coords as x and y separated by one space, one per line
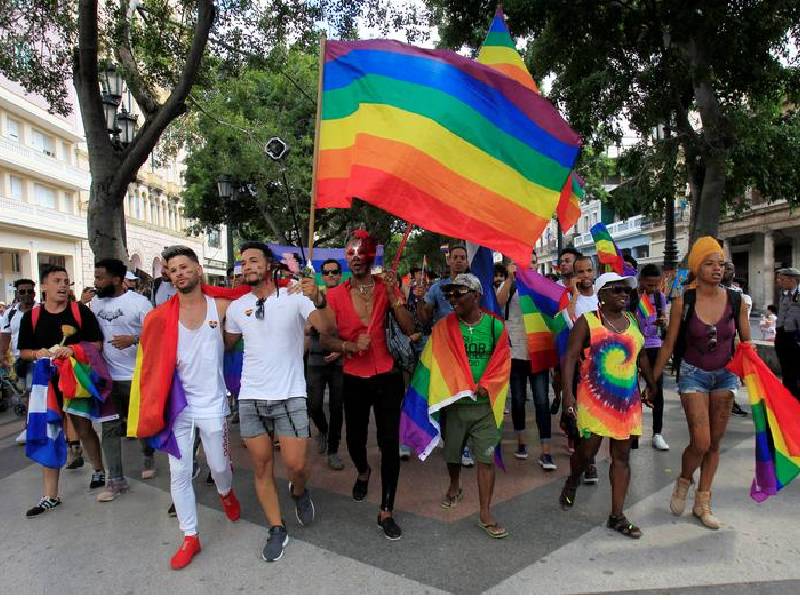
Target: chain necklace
470 326
608 322
365 288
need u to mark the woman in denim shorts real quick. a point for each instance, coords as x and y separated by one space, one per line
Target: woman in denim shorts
701 341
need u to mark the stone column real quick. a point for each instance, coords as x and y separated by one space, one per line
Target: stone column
769 268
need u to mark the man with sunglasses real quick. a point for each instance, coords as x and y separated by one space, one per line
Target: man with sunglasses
272 398
9 334
325 369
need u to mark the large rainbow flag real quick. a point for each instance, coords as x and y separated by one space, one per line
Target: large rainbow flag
443 376
441 141
500 52
776 416
542 302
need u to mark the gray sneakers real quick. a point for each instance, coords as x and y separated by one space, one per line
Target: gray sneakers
335 463
303 506
277 538
322 443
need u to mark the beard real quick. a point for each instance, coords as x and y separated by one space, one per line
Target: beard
105 292
253 279
189 287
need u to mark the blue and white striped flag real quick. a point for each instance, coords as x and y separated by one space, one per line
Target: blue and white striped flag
45 442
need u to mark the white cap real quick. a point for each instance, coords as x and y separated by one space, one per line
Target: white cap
131 275
607 278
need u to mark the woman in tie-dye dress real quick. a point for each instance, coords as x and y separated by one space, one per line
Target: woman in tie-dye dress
608 403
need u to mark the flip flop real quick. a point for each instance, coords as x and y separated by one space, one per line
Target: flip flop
493 530
449 502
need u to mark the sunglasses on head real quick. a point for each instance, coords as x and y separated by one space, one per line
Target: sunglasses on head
331 272
712 338
260 310
618 289
457 293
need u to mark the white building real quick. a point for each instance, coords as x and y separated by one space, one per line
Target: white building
44 191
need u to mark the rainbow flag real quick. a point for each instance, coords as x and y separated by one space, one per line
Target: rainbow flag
232 364
607 251
776 416
500 52
441 141
85 383
646 308
443 376
541 301
569 203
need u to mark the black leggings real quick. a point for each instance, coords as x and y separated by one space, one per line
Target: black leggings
658 399
318 376
384 393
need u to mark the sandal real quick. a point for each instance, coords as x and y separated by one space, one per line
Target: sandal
450 501
493 530
567 497
623 526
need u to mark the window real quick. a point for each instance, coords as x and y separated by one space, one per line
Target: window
45 196
213 238
44 143
16 264
15 187
12 129
586 223
69 203
67 152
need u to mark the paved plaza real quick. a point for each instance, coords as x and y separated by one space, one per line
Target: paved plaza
124 546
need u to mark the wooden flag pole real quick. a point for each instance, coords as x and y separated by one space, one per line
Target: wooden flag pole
323 38
396 261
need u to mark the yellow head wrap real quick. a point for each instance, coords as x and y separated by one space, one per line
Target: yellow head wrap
701 249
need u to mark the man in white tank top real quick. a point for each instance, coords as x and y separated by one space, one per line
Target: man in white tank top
199 367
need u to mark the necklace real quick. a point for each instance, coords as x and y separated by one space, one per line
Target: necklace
470 326
611 325
365 288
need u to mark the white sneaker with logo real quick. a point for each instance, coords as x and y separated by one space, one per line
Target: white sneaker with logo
659 443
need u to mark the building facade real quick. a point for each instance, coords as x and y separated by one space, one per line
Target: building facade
44 193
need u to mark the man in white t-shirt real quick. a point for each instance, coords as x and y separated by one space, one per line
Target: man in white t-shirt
272 399
120 314
165 290
585 300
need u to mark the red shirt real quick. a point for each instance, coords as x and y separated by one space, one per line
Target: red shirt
376 359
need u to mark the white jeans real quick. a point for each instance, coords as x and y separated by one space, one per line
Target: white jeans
214 435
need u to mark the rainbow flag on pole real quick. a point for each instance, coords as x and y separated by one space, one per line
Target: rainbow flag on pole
607 251
500 52
443 376
569 203
541 302
776 416
441 141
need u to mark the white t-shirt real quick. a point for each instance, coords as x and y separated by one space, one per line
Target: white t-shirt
516 329
164 292
121 315
10 324
585 304
273 346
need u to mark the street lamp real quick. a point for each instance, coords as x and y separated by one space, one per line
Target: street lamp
224 187
112 80
225 193
670 245
127 126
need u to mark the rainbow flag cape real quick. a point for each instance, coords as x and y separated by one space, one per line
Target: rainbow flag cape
441 141
500 52
776 416
232 364
154 377
646 308
541 302
607 251
569 203
443 376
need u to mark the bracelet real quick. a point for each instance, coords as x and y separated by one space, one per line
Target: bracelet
344 351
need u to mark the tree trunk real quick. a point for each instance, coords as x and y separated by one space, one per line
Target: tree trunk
106 224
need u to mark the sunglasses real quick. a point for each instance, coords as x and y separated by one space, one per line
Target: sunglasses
25 292
712 338
332 272
618 289
457 293
260 310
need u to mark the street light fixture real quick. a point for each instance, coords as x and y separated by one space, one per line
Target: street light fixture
112 80
110 112
224 187
127 126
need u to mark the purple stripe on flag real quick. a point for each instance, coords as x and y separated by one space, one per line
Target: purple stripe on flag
165 439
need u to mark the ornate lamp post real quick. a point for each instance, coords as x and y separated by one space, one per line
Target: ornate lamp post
121 127
225 193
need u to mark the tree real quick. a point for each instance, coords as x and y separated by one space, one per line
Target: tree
658 64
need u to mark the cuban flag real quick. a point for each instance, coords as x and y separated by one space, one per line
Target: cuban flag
45 442
481 264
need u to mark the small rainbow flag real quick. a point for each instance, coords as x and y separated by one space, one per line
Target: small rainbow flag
500 52
607 251
441 141
568 210
646 308
541 302
776 416
443 376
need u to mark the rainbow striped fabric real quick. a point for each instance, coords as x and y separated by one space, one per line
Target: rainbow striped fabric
443 376
776 416
646 308
542 302
607 251
500 52
568 210
441 141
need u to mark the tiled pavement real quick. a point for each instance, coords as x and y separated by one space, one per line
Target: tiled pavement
124 546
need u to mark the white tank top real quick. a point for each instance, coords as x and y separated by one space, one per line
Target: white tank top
200 354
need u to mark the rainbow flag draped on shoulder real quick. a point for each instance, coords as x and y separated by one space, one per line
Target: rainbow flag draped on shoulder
441 141
443 376
78 385
157 395
776 416
542 303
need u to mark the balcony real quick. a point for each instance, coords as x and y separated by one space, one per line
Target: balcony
31 216
37 164
618 230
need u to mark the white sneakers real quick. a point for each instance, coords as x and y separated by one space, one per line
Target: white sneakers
659 443
22 437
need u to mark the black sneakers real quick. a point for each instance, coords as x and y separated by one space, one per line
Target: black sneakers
276 542
46 503
391 530
360 488
98 480
590 476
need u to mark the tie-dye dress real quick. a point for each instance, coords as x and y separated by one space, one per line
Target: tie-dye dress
608 399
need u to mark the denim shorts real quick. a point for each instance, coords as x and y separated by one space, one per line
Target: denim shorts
695 379
281 418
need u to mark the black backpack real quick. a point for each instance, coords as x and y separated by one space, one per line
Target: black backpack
689 300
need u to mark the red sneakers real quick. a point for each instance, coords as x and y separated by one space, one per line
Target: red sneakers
231 505
184 555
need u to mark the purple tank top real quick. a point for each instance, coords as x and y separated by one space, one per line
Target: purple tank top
700 350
